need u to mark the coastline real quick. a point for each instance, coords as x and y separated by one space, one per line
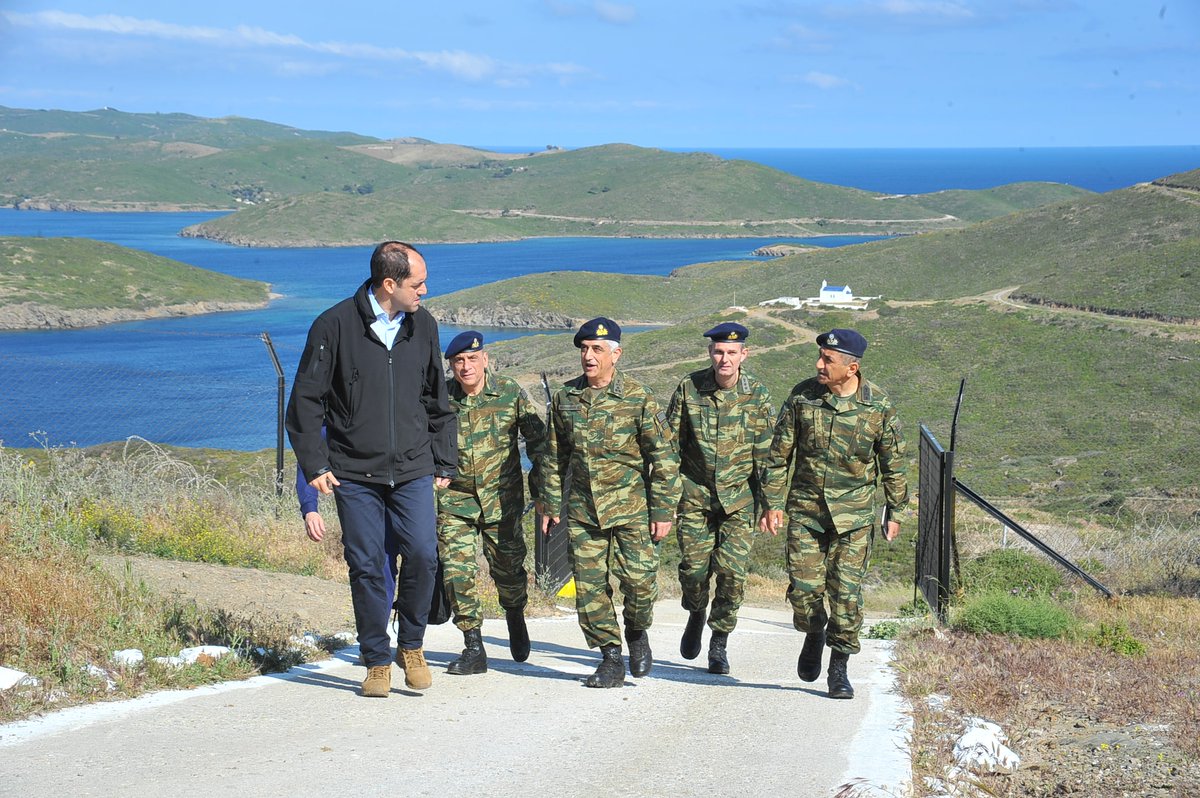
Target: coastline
31 316
252 243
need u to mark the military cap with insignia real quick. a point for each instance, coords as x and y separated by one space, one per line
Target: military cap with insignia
729 331
847 341
469 341
598 329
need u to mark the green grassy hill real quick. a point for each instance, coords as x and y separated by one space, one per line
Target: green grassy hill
109 123
619 181
976 206
338 218
1125 251
1186 180
98 174
621 190
1066 407
1051 413
53 275
110 160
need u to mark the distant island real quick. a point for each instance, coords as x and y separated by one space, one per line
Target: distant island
285 186
57 283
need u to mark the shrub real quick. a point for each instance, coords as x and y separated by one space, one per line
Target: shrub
917 608
1010 571
1023 616
1116 638
884 630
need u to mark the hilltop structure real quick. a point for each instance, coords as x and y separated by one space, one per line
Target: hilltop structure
830 296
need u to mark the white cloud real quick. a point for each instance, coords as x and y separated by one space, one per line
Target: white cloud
603 10
456 63
926 8
825 81
803 38
615 13
918 12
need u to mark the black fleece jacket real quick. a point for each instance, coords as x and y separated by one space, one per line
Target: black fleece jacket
386 412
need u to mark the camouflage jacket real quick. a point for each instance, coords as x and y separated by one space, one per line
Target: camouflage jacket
722 437
614 445
489 483
837 456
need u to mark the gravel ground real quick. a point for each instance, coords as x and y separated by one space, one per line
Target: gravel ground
1078 756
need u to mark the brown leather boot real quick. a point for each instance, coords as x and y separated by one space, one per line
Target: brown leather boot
378 682
416 670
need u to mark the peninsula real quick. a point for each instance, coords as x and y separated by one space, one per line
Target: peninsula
53 283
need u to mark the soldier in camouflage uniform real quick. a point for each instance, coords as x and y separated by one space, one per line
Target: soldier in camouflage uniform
840 434
608 448
721 419
485 501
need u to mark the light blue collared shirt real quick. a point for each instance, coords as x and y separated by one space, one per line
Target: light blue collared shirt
383 326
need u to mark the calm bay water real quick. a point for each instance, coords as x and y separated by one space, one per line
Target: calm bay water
208 381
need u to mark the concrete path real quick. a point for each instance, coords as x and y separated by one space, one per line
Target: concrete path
522 729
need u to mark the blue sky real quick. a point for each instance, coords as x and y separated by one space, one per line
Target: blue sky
787 73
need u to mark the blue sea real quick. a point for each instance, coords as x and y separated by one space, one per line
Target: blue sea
208 381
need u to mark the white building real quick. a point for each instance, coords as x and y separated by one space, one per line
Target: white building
830 296
834 294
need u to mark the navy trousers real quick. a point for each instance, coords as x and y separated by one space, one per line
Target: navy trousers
369 514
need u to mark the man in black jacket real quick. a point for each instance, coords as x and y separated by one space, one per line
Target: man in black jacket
371 372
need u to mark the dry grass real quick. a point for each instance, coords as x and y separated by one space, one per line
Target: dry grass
61 618
1053 697
140 498
1110 710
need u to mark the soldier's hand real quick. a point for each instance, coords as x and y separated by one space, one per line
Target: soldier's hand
771 521
893 529
659 530
441 482
548 520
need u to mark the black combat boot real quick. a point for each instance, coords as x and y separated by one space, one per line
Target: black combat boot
689 644
808 666
718 662
473 659
839 682
518 635
640 658
611 671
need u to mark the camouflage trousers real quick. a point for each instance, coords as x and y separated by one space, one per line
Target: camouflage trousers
626 552
823 565
715 544
503 548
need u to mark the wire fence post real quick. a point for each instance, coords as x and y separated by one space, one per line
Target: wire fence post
279 408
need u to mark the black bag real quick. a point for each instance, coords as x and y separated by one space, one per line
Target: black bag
439 609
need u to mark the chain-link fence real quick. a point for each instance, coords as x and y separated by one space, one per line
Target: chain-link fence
1105 542
214 390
